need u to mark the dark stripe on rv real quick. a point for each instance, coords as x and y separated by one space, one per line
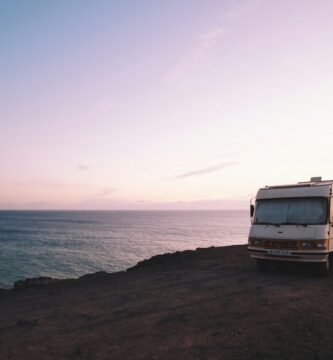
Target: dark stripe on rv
312 253
292 252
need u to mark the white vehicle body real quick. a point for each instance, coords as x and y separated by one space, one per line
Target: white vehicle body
293 223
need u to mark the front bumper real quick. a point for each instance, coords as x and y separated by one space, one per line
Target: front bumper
289 255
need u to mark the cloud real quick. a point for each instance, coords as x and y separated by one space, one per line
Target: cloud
44 184
188 62
206 170
82 167
243 7
105 192
210 39
203 204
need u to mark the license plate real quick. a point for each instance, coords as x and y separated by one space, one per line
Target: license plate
278 252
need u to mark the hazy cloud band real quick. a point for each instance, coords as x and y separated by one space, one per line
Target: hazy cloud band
206 170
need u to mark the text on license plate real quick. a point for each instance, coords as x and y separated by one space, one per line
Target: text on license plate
278 252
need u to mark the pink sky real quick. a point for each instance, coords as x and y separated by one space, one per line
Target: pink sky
153 105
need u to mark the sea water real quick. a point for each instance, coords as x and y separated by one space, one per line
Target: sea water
64 244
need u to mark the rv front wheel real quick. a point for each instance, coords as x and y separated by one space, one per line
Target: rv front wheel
324 268
262 265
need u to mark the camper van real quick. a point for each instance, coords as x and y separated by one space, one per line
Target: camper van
293 223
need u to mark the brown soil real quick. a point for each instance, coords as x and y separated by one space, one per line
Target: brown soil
204 304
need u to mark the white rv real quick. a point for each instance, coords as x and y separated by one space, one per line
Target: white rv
293 223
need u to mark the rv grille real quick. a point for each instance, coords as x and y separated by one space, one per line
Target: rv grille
280 244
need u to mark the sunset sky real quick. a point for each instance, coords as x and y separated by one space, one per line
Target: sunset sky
162 104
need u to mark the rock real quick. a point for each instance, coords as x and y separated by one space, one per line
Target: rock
34 282
98 274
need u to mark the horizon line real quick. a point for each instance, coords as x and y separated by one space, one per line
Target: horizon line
105 210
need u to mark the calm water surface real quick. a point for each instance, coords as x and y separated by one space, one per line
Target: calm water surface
73 243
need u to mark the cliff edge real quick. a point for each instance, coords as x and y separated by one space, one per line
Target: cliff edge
209 303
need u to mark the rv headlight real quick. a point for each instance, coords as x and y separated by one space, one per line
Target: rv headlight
314 244
307 245
321 244
255 242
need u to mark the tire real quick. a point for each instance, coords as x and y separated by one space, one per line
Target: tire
325 268
262 265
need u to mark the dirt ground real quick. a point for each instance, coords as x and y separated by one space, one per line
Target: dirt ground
204 304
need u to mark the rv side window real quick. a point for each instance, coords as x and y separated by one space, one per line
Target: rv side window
331 212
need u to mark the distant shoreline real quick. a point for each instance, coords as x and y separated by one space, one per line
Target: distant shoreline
117 210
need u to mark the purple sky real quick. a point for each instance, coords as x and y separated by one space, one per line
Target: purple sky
161 104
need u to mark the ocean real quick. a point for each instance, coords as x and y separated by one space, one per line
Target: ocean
65 244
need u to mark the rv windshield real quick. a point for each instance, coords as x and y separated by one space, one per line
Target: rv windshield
292 211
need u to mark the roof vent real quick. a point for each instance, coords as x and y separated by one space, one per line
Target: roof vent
316 179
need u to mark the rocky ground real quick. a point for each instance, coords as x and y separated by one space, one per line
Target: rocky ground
204 304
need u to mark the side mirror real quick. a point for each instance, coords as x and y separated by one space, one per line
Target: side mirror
251 210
